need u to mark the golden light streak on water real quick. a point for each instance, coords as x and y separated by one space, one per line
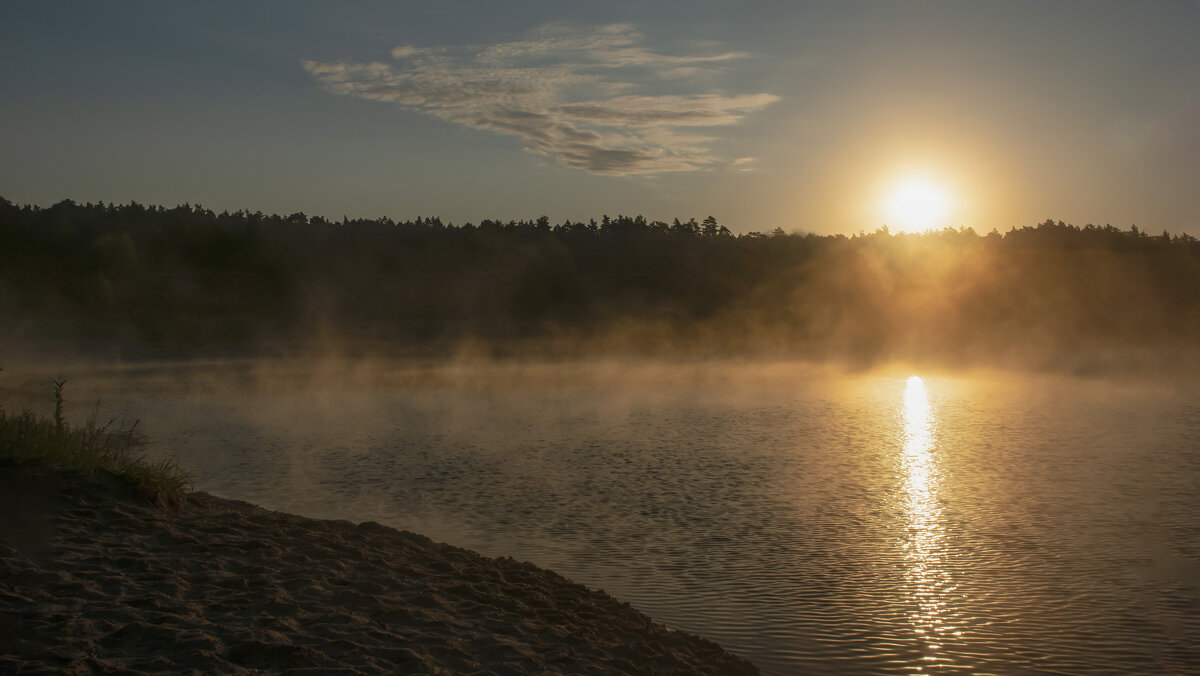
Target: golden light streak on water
929 583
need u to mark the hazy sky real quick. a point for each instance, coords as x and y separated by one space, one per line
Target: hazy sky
764 114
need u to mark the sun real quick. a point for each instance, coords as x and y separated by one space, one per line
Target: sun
915 203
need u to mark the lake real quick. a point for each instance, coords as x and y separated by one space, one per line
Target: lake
808 520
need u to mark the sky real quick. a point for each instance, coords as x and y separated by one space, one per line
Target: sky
804 116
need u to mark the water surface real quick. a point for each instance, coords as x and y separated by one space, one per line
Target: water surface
813 523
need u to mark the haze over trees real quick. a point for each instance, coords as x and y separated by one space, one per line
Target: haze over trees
138 281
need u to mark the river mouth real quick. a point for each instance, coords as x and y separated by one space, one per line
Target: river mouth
808 520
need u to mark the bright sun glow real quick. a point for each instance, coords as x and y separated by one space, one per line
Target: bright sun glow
916 203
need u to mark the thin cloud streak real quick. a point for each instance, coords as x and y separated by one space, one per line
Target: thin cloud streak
582 97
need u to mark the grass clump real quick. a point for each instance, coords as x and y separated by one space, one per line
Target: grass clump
29 440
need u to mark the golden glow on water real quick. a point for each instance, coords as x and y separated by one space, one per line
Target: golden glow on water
929 584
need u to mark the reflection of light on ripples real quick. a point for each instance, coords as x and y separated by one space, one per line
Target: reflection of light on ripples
929 582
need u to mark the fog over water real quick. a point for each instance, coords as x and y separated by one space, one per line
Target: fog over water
809 519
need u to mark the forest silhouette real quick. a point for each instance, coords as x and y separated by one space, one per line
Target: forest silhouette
137 281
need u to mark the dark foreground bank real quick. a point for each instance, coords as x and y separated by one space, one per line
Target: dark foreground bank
92 580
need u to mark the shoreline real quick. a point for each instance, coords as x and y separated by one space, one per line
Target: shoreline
93 580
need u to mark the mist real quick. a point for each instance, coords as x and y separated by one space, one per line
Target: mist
133 283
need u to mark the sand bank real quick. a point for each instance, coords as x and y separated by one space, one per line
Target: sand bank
94 581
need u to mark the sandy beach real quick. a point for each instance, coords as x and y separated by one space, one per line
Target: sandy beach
92 580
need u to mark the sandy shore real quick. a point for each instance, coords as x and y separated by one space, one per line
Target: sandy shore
94 581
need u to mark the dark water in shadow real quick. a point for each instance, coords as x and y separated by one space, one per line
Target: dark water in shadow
811 523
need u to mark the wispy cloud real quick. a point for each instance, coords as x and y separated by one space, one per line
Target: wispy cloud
591 99
744 164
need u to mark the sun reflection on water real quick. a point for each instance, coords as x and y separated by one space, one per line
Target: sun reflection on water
928 581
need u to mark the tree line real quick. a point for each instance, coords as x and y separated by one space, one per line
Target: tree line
136 278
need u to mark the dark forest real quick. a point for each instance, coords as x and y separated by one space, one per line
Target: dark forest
136 281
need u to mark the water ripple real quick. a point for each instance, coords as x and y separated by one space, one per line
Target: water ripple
875 524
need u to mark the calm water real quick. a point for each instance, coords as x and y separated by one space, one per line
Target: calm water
887 523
